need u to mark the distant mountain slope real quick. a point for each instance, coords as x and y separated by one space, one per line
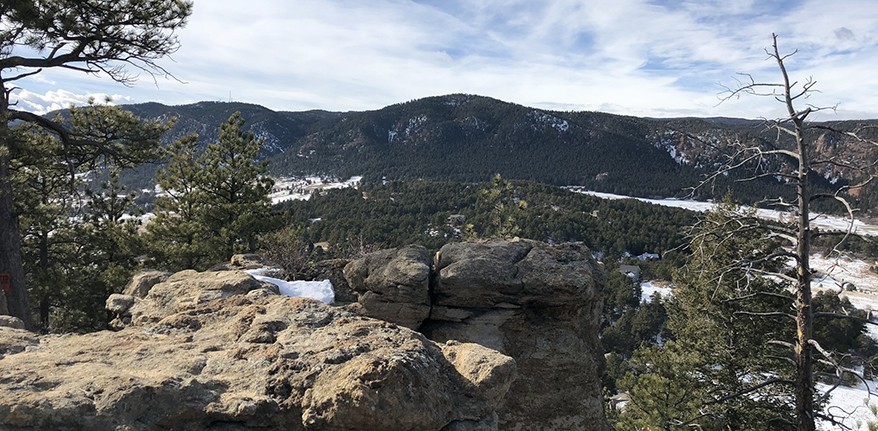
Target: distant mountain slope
469 138
278 129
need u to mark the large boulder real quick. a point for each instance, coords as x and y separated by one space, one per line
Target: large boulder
539 304
143 281
209 351
393 285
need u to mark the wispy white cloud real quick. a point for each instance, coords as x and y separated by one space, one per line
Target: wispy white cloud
61 99
636 57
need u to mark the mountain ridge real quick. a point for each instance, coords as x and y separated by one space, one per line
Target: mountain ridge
467 137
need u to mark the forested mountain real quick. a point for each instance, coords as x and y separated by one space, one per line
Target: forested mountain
279 130
469 138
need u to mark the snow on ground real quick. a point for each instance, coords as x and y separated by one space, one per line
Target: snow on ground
821 221
648 288
833 274
286 188
851 404
319 290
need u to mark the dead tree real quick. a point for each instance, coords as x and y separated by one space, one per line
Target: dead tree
792 158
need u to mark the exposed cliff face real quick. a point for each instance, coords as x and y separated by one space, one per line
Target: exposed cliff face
539 304
220 351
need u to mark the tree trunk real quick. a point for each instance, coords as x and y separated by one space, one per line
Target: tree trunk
804 314
10 245
10 235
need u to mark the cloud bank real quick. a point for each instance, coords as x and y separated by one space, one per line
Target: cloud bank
634 57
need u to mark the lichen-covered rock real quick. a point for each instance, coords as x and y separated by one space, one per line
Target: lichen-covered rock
247 261
119 303
143 281
189 288
539 304
15 340
536 302
393 285
227 354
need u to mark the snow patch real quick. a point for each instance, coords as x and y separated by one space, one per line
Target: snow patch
850 403
301 188
648 288
319 290
822 221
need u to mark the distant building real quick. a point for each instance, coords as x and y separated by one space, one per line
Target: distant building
648 256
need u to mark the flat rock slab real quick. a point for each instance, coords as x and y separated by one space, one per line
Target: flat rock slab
253 361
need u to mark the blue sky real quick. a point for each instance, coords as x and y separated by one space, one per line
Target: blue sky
632 57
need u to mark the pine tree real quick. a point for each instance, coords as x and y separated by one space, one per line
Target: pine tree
77 247
89 36
176 236
215 203
503 207
236 190
729 320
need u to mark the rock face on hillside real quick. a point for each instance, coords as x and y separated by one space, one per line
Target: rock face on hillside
393 285
221 351
538 303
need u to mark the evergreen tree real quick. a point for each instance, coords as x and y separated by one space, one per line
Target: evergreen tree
101 258
77 246
216 202
504 209
176 236
90 36
664 390
728 319
236 190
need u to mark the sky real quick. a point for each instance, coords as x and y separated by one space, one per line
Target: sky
633 57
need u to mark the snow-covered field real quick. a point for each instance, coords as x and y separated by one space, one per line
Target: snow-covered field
821 221
850 403
833 274
286 188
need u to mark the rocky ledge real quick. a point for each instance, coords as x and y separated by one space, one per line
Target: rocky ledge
220 351
535 302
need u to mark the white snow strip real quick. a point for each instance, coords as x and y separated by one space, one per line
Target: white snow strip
821 221
319 290
287 189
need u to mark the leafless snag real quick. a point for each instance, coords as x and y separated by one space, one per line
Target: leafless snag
791 158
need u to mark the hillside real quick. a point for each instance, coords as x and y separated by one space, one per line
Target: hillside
468 138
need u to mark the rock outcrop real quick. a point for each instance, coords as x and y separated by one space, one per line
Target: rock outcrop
538 303
221 351
143 281
393 285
